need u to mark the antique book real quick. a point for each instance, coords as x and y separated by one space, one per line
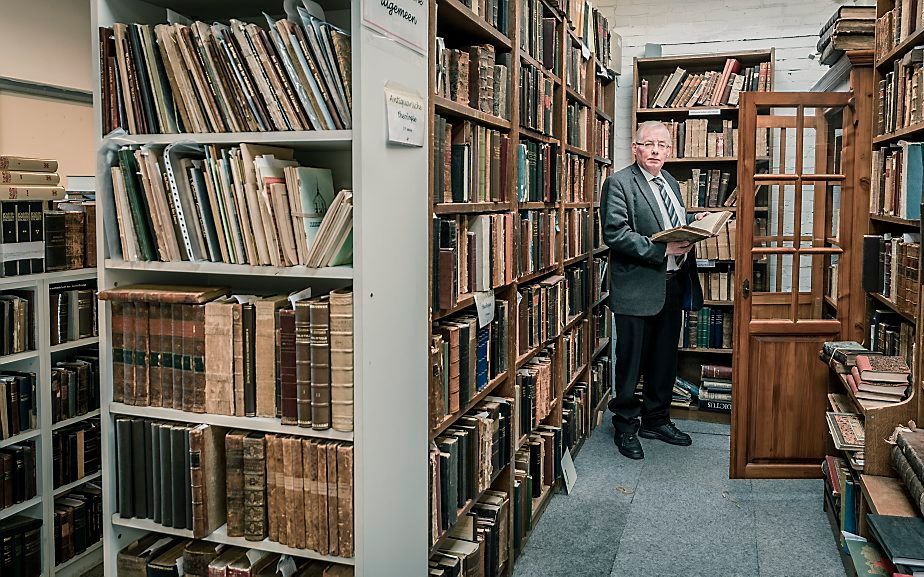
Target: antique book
234 480
333 498
901 538
175 294
310 483
303 362
265 352
320 362
345 499
272 493
341 359
281 510
132 561
846 430
286 366
697 230
294 492
908 476
169 561
197 556
893 369
218 567
249 352
254 487
237 337
219 355
22 163
323 503
912 445
207 478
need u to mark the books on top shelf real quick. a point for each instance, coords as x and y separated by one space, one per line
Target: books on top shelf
709 226
590 27
247 204
849 28
538 34
682 89
475 76
235 77
895 25
882 368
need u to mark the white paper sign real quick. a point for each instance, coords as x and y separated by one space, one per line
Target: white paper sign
484 302
705 112
568 471
406 116
404 20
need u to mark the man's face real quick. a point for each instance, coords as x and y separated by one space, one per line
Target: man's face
652 148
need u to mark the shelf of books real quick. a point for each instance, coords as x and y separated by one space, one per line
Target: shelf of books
522 102
696 97
263 341
50 502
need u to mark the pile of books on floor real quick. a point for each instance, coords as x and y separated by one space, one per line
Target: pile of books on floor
850 28
908 461
683 393
715 391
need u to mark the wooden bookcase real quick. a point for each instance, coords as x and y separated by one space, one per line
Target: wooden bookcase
40 361
653 69
388 276
461 27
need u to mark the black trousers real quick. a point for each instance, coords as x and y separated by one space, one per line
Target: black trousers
647 346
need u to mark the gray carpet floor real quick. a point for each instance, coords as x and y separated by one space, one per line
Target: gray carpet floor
676 513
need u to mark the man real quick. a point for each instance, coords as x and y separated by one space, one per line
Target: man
651 283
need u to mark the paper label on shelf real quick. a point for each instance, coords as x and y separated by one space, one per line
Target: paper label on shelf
406 21
300 295
286 566
254 555
568 471
705 263
22 250
705 112
585 51
484 302
406 116
157 545
519 298
179 567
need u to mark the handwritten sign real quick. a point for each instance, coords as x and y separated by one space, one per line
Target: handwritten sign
484 302
406 116
404 20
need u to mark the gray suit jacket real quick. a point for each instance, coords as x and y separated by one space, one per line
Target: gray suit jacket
638 265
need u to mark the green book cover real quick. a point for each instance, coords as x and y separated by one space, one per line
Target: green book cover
867 558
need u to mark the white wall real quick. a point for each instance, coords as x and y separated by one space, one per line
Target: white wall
706 26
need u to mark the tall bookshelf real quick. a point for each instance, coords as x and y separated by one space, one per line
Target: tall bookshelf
654 69
459 26
40 361
388 277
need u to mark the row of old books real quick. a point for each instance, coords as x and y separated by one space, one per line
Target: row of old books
576 78
541 313
575 173
534 392
722 246
708 188
682 89
574 350
575 412
536 95
78 516
72 311
537 248
477 545
69 231
293 490
154 555
842 492
537 172
169 78
891 334
470 162
707 328
717 285
899 93
850 28
18 403
895 26
576 125
890 268
577 232
896 180
75 385
591 27
577 289
201 349
539 35
475 76
715 388
541 456
603 136
601 329
599 284
247 204
599 379
21 547
466 459
907 459
494 12
466 357
17 321
75 452
692 138
17 474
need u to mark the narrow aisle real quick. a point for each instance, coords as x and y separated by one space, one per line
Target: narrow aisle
676 514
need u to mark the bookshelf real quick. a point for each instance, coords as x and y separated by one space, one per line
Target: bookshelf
578 80
682 168
388 277
40 361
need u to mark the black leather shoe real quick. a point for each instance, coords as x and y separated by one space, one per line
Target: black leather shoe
667 432
628 445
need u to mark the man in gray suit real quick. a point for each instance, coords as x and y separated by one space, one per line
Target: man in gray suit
651 283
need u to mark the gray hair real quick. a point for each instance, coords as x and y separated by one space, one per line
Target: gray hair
649 125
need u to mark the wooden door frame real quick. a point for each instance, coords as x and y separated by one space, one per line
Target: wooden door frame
741 431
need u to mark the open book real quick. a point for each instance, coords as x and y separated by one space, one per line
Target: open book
697 230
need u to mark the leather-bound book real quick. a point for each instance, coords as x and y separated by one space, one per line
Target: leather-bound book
310 484
140 392
294 492
272 491
177 294
234 479
333 500
323 504
265 352
164 356
237 328
139 478
250 380
154 477
435 381
37 231
183 324
124 482
207 478
303 362
23 234
218 567
128 352
8 228
166 474
280 511
197 556
176 344
320 363
254 487
341 359
169 562
345 499
132 561
157 356
55 241
197 359
451 335
89 250
219 355
178 453
74 233
286 366
244 566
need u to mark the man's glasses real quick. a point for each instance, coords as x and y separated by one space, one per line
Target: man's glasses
652 145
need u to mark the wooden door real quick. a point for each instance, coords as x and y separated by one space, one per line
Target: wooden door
790 146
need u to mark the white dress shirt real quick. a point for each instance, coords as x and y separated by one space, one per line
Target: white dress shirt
673 262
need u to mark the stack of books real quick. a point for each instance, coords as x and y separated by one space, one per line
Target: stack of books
879 379
850 28
715 391
847 431
901 539
908 462
683 393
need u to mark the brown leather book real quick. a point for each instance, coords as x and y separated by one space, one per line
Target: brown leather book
156 358
322 502
310 484
163 293
197 358
272 494
265 352
435 377
140 391
128 353
132 561
237 328
234 479
281 510
333 507
219 566
303 362
118 351
183 321
89 251
345 499
341 359
320 363
207 468
286 366
294 492
219 355
176 345
451 335
197 556
446 265
74 232
254 487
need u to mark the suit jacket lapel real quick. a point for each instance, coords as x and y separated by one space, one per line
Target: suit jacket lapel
648 194
676 190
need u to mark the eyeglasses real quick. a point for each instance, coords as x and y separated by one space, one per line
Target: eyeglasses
652 145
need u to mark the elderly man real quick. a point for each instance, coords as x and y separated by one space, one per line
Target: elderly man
651 283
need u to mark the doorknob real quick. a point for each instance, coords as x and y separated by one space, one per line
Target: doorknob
746 288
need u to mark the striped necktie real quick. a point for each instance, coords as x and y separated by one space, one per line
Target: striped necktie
665 198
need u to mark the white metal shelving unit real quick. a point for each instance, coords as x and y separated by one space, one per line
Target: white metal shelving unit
389 279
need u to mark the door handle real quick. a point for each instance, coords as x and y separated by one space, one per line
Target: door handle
746 288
